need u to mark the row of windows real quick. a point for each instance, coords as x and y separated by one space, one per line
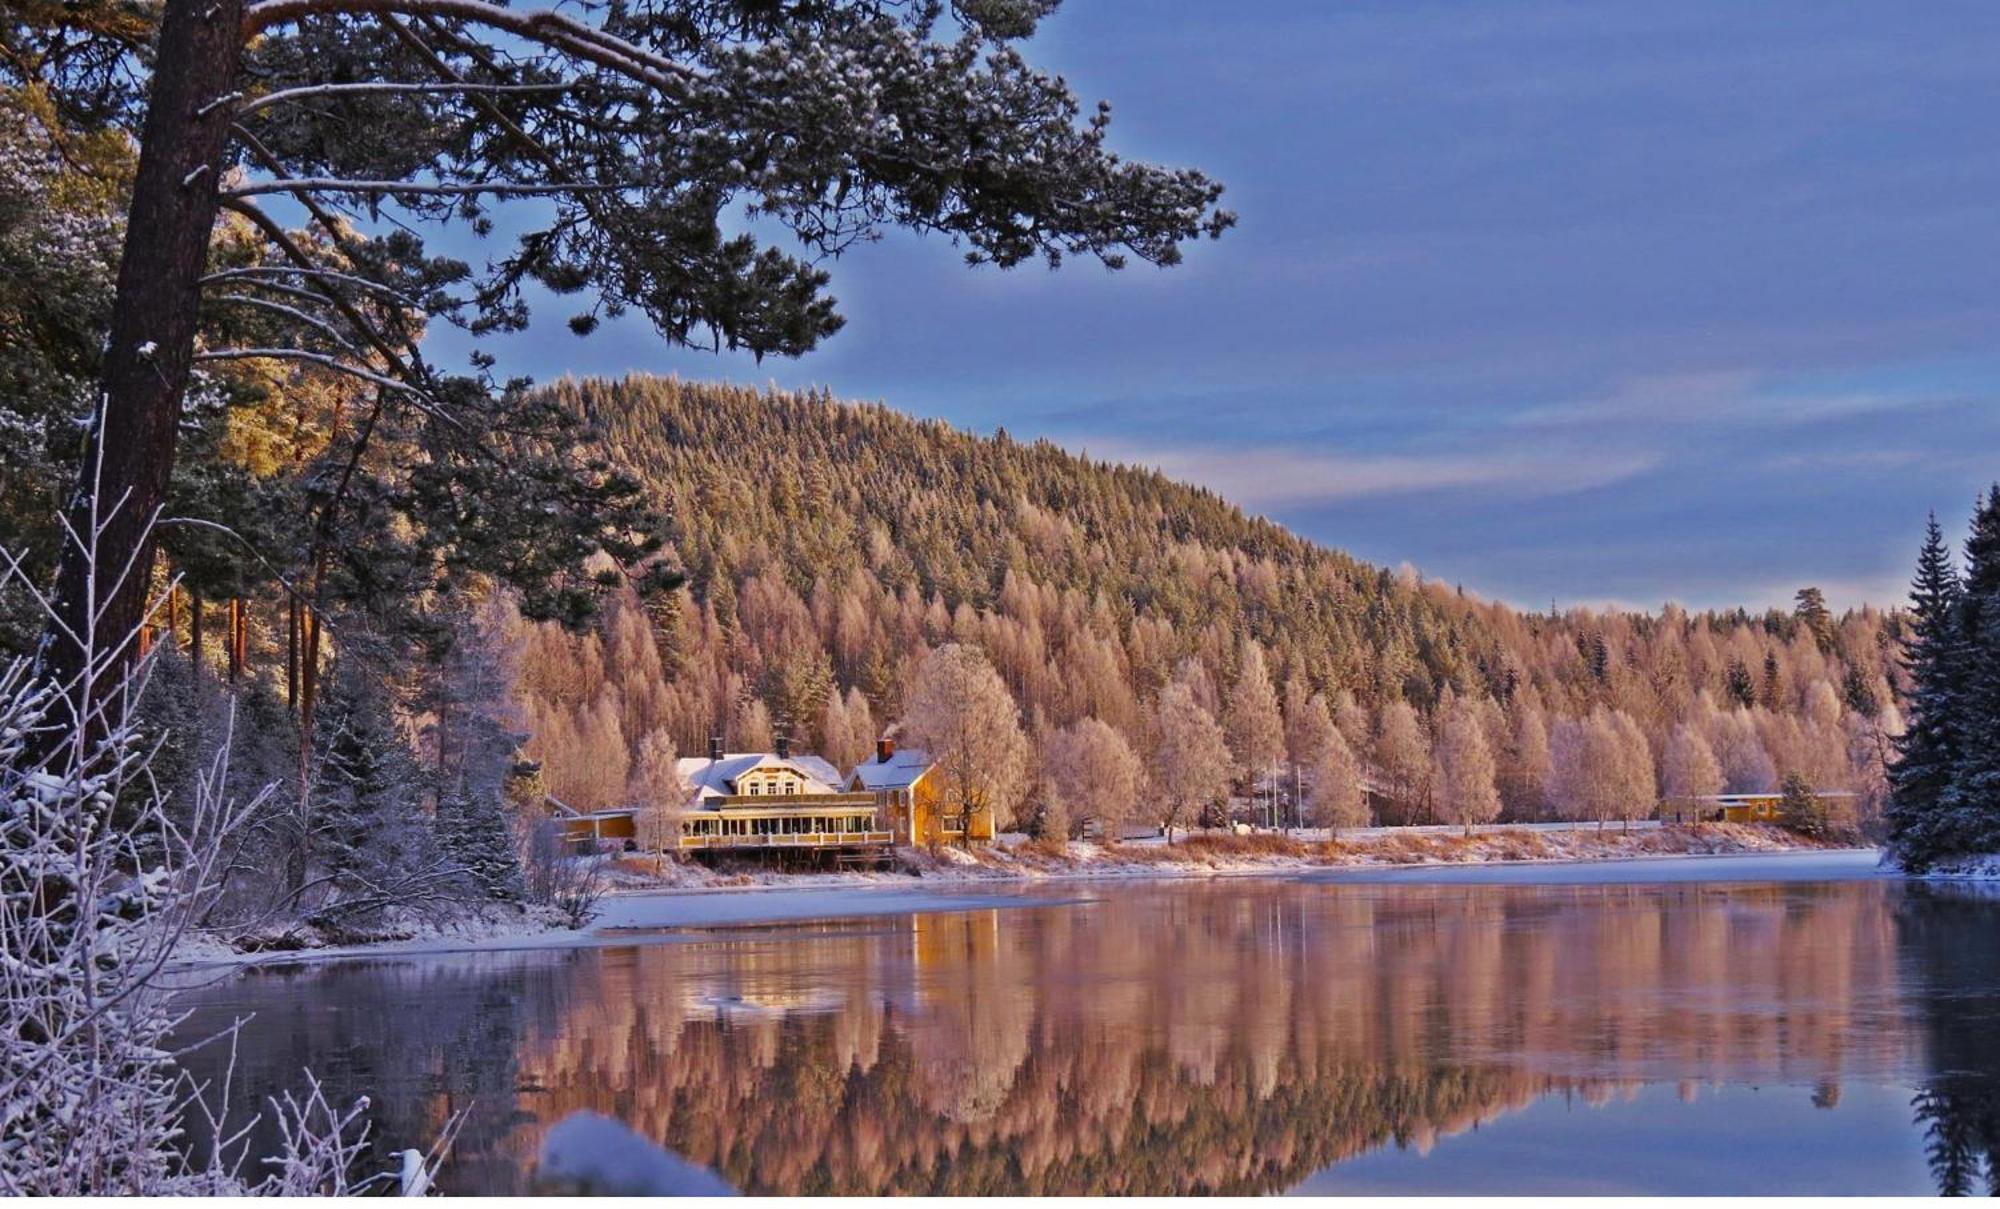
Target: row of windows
791 825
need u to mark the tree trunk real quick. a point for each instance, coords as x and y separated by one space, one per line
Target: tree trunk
123 480
239 638
194 630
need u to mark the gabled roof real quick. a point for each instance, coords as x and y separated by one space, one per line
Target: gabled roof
706 778
900 771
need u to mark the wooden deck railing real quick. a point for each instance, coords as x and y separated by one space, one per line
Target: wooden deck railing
800 839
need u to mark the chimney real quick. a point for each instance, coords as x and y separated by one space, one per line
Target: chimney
884 748
715 747
784 745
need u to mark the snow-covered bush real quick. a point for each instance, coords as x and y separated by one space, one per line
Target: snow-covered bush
554 874
101 878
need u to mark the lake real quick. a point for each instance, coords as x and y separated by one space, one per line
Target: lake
1530 1032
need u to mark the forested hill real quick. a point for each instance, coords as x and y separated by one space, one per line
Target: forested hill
828 545
860 498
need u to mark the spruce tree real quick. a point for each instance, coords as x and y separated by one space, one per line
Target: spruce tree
473 828
1927 750
1737 683
1971 804
363 789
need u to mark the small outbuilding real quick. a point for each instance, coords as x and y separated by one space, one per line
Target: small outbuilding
913 801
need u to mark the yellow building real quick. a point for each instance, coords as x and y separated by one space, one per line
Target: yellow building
590 830
775 801
913 801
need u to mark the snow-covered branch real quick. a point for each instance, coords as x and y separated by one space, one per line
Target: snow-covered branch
287 96
291 312
279 353
332 184
551 29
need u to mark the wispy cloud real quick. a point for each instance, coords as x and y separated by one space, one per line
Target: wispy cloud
1847 459
1267 477
1725 396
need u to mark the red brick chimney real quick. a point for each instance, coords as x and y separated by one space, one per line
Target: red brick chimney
884 748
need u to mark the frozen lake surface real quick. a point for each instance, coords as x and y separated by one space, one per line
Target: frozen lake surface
1726 1025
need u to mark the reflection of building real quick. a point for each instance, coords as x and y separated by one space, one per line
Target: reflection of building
914 802
774 801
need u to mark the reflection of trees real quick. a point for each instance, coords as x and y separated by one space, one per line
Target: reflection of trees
1168 1040
422 1039
1948 934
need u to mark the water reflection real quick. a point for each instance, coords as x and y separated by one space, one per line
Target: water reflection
1233 1038
1950 939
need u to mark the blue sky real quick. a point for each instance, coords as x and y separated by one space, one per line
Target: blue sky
1577 302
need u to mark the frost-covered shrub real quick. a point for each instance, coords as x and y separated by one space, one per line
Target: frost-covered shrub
102 875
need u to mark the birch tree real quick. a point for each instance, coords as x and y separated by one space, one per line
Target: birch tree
1191 761
1466 792
1337 796
1402 753
658 793
1251 721
1689 770
1094 774
960 713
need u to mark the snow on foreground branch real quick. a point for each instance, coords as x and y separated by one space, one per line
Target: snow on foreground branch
101 875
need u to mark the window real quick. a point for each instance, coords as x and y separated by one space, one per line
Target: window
754 789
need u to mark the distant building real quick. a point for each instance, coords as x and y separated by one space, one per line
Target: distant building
913 802
775 802
593 828
1754 807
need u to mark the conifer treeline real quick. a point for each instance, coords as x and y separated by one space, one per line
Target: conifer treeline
828 545
1945 780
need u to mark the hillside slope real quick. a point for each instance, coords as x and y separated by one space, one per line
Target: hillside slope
827 545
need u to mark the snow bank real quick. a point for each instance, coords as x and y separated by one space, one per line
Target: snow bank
588 1154
1965 869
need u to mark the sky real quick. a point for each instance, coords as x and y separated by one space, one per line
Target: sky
1580 303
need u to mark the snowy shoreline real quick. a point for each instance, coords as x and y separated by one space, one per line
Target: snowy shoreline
682 914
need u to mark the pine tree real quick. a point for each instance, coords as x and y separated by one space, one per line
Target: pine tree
1927 750
1812 613
1971 804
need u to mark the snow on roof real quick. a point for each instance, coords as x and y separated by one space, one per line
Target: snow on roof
706 778
900 771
